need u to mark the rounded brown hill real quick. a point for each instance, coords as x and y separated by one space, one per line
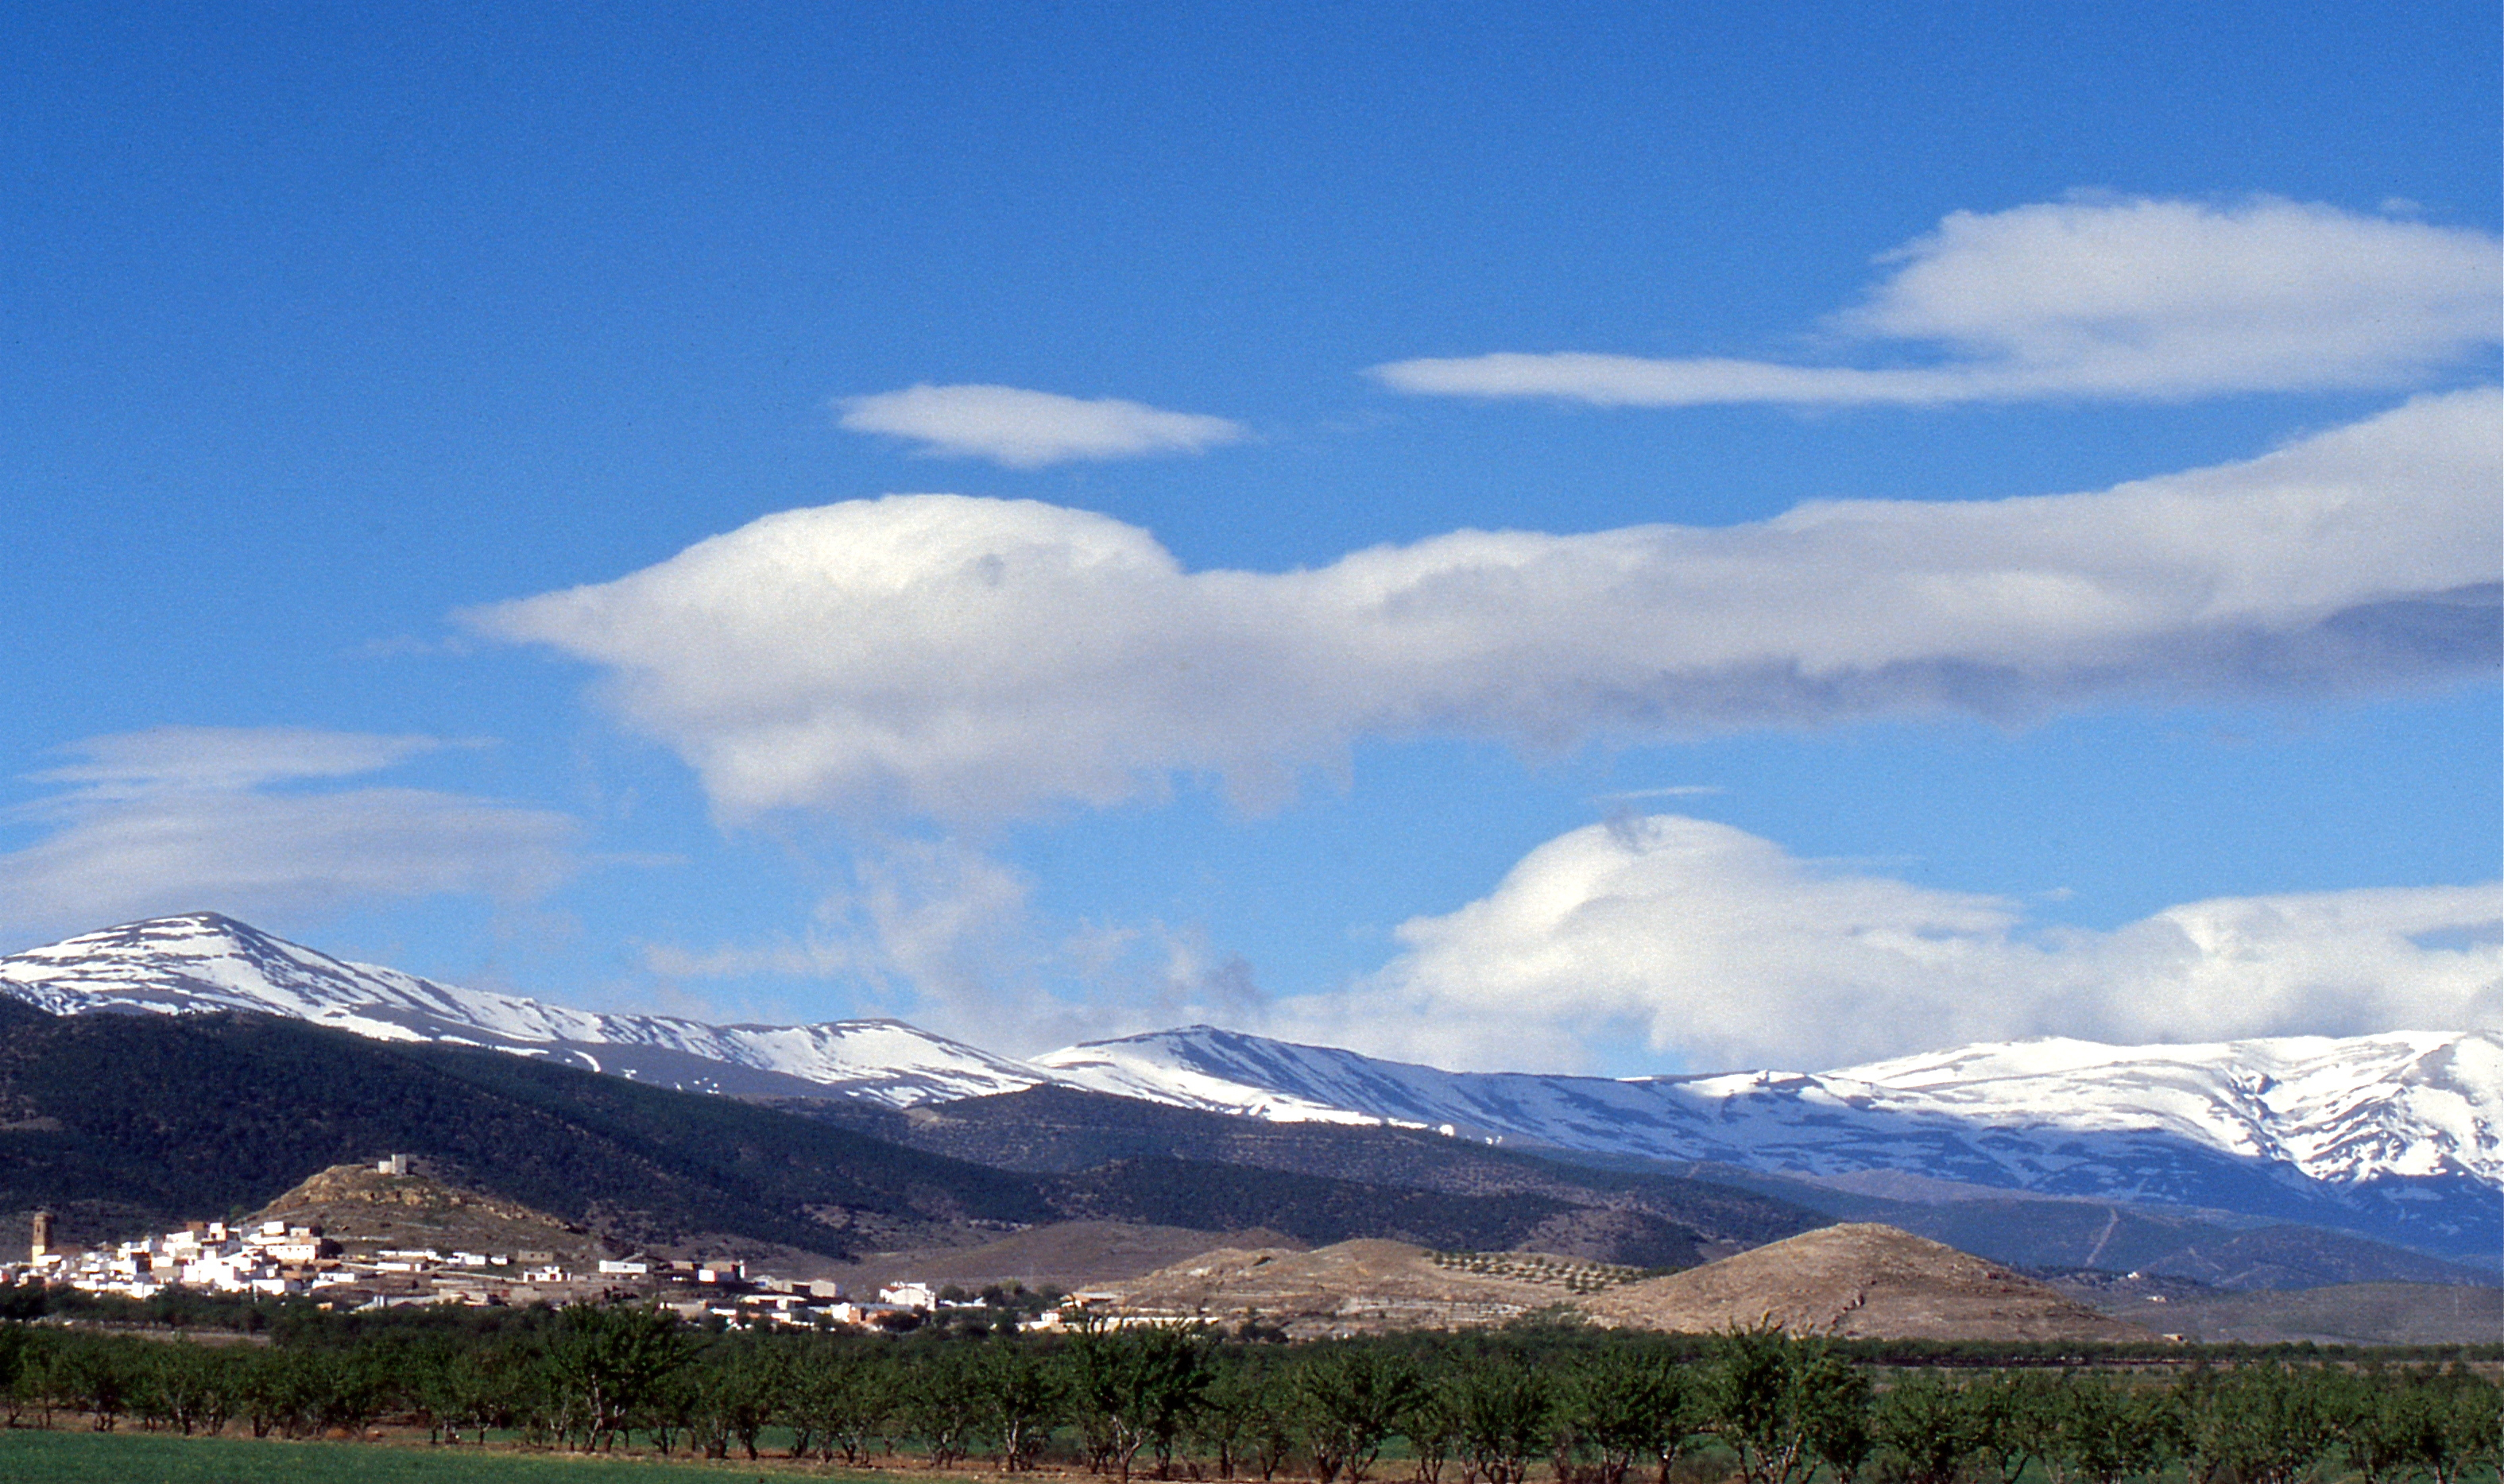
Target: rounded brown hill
365 1210
1364 1286
1858 1281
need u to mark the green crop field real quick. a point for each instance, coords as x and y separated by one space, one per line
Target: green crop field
30 1457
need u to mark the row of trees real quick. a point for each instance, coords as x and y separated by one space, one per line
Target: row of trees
1484 1409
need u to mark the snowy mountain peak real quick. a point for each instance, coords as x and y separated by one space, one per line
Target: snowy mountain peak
2398 1135
194 961
201 961
2402 1134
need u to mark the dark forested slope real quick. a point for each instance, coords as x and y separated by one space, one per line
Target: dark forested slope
117 1119
1052 1129
123 1121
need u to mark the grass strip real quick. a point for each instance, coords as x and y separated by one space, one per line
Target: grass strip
33 1457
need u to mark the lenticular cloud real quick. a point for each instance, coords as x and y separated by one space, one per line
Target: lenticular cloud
1020 429
2122 299
973 659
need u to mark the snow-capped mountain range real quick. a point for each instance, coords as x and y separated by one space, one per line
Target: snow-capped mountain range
201 962
2398 1135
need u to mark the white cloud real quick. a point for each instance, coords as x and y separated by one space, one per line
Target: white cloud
1028 430
174 759
942 933
182 818
1696 939
975 659
2131 298
1666 791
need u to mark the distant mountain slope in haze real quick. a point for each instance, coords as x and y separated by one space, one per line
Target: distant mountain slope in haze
2217 1248
1052 1129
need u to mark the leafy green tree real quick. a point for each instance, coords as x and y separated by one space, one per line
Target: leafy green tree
1349 1399
1505 1418
2387 1426
24 1360
1930 1431
840 1404
1022 1398
342 1390
2019 1416
731 1392
1136 1388
1432 1425
945 1405
1782 1405
2102 1432
2469 1433
190 1388
1627 1403
1265 1392
2257 1423
98 1374
267 1394
607 1366
1834 1412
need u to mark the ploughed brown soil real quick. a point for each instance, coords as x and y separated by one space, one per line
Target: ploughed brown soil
1361 1286
1858 1281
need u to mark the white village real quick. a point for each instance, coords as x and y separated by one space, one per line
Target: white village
282 1259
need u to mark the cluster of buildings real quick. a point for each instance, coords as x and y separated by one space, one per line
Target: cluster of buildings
278 1260
272 1258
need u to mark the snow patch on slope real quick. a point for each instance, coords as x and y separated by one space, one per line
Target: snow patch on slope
2024 1115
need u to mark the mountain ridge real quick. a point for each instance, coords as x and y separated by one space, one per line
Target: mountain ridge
120 1122
2397 1136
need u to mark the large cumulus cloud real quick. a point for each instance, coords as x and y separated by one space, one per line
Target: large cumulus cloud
974 659
1696 939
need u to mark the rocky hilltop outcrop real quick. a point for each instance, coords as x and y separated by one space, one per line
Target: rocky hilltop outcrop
365 1209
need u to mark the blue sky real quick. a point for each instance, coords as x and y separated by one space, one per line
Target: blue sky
341 341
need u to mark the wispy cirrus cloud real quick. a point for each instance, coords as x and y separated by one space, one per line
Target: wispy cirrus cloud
2136 299
1702 941
978 659
246 820
1028 430
163 760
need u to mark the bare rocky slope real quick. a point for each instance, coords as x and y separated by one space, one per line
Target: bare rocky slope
365 1210
1858 1281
